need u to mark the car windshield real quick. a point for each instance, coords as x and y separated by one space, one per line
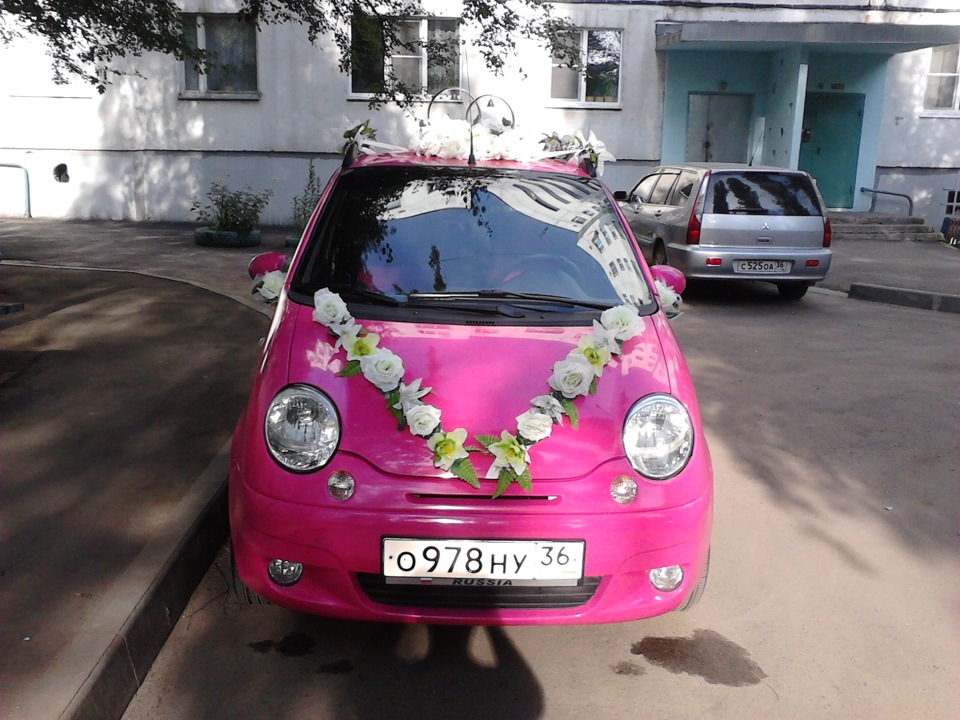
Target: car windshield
424 234
761 193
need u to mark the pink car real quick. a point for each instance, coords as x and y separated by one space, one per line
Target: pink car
471 408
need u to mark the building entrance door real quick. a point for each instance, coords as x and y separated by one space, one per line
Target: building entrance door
718 127
830 144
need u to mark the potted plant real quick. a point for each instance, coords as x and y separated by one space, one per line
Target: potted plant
230 217
304 204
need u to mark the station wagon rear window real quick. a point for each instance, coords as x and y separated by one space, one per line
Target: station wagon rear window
761 193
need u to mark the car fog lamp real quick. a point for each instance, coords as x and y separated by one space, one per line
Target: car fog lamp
341 485
667 578
623 489
284 572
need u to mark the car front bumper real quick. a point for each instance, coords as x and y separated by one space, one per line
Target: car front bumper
339 545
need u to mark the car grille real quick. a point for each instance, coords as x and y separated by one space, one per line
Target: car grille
477 598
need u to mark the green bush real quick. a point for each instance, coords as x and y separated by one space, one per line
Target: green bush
231 210
306 203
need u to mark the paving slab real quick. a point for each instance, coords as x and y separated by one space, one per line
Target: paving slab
123 368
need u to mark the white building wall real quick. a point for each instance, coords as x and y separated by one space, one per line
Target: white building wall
140 152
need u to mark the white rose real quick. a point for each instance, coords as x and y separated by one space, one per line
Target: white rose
623 321
423 419
534 426
383 369
549 405
572 376
270 284
329 310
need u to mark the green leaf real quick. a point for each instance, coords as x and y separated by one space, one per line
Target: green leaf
350 369
503 482
464 470
474 448
486 440
525 481
570 410
593 387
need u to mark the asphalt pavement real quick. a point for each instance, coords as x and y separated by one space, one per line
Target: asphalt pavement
125 355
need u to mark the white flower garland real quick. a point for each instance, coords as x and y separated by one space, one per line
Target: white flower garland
574 376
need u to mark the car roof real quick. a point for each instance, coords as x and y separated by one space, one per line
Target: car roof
412 159
719 166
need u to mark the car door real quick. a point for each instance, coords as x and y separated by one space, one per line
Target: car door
639 212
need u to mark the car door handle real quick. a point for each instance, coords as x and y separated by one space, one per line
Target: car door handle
765 239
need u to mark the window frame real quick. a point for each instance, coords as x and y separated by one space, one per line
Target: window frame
581 100
203 92
954 109
423 56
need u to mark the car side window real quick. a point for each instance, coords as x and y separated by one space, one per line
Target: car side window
663 188
645 187
684 188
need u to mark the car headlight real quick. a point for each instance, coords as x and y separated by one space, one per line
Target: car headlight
302 428
658 437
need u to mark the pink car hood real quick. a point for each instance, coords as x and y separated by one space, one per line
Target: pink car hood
482 378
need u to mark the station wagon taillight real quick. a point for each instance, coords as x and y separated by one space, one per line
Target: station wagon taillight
693 224
693 228
827 232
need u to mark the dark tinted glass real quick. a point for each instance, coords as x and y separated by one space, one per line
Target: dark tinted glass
399 230
761 193
664 185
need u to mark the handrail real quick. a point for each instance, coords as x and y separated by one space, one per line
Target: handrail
873 202
26 184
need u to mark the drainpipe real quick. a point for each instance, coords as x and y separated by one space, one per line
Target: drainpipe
26 185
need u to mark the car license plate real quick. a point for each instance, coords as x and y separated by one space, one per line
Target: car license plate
483 562
762 266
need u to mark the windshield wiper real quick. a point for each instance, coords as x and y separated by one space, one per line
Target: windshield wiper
370 295
515 296
352 293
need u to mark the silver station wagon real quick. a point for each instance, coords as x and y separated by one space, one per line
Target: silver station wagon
732 221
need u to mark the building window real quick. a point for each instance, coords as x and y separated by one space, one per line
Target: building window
599 81
942 81
426 58
232 66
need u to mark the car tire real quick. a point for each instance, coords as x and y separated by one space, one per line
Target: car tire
243 593
660 254
792 291
697 593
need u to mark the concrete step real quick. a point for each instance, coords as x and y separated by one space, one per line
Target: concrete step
847 217
872 226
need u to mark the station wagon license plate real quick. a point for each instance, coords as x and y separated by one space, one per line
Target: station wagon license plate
483 562
762 266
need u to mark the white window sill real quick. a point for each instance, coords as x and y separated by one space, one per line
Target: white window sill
245 96
949 114
568 105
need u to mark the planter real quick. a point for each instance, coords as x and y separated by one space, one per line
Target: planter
211 237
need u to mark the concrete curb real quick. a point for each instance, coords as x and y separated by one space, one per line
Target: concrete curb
197 534
921 299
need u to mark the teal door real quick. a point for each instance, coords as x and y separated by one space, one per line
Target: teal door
830 144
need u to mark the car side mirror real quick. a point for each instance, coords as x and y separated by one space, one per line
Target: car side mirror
669 283
269 273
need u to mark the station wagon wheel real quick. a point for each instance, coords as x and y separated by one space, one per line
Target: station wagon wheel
660 254
792 291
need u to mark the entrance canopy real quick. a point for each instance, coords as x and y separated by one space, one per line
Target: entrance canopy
838 37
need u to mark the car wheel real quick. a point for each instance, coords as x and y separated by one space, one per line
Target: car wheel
660 254
792 291
243 593
697 593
